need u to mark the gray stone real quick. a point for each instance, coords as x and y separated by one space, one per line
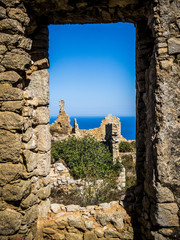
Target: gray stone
12 106
44 161
164 194
16 191
39 86
9 93
165 215
76 222
10 146
11 26
43 135
89 225
9 172
17 59
30 160
41 115
11 121
99 232
10 222
43 208
174 45
10 76
72 208
44 192
55 207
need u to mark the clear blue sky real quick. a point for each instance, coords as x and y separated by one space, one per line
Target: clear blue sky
92 67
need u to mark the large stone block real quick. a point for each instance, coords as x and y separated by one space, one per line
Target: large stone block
10 146
76 222
17 191
18 14
8 93
10 76
39 86
165 215
11 121
9 172
12 106
174 45
74 236
30 215
11 26
30 201
30 160
44 192
43 167
43 135
17 59
41 115
10 222
44 207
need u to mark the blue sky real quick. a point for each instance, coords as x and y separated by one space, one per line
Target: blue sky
92 67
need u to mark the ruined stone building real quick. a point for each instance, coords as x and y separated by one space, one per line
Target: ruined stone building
25 139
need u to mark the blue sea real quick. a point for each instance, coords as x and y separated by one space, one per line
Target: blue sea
128 124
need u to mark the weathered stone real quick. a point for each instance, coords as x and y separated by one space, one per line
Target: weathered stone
99 232
39 86
89 225
25 43
27 135
76 222
111 233
164 194
103 218
18 14
9 172
27 112
44 161
30 160
2 12
11 26
3 49
16 191
44 192
32 144
43 135
10 3
73 236
29 201
10 146
62 223
55 207
17 59
165 215
43 209
7 92
41 115
174 45
10 222
58 236
10 121
72 208
30 215
12 106
90 236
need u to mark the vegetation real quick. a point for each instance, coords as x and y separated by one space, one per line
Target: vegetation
127 146
92 161
86 158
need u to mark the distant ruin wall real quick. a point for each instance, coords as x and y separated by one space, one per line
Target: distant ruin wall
24 98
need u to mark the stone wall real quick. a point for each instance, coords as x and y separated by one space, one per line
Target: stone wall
72 222
24 130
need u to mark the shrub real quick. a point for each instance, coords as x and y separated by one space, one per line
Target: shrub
127 146
86 158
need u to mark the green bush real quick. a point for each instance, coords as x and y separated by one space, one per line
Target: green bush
127 146
86 158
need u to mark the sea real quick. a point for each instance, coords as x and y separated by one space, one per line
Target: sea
128 124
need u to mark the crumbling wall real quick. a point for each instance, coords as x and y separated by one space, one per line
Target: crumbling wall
24 130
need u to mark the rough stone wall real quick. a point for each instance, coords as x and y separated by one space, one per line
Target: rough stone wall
24 151
72 222
25 139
